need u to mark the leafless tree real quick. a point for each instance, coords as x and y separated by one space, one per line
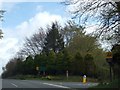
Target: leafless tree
34 44
104 13
1 19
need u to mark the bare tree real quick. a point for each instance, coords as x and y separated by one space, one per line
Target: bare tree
34 44
70 29
1 19
104 13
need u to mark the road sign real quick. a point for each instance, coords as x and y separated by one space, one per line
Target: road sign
42 68
109 60
37 68
109 55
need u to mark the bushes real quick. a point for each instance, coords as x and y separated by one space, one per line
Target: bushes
58 64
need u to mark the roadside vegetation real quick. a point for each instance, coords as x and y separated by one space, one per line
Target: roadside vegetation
114 84
55 50
59 78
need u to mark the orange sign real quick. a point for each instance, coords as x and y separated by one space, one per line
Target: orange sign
109 55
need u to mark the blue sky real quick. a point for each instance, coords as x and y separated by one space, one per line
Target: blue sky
25 10
22 19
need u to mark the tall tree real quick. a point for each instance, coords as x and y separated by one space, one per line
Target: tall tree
82 43
51 62
29 66
103 13
54 40
69 31
34 44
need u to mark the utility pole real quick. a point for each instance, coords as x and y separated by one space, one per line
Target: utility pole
109 61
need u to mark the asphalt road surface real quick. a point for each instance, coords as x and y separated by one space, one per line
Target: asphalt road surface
13 83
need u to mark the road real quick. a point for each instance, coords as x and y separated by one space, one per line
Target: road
12 83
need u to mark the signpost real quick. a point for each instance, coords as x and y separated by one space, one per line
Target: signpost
109 60
67 74
37 68
43 69
84 79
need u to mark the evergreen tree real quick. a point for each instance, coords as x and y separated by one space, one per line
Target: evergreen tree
51 62
29 65
59 63
54 40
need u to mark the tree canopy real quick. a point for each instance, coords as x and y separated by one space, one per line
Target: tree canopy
54 40
103 13
57 51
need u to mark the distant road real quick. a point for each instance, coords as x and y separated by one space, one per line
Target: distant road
13 83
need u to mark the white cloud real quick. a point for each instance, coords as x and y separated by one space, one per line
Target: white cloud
91 28
33 0
39 8
14 37
9 6
8 46
41 19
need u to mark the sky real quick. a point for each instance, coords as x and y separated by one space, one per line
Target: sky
22 19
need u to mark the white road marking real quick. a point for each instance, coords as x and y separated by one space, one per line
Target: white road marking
14 85
56 85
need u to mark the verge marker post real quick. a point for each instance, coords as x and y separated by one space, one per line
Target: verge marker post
84 79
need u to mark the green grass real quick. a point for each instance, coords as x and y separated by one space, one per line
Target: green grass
54 78
69 79
113 84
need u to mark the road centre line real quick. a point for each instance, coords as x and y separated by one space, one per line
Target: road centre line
56 85
14 85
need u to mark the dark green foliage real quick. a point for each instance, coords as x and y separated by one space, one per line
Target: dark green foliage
78 64
29 66
54 40
13 67
40 60
90 67
116 60
67 59
116 54
55 59
19 66
51 62
114 85
59 63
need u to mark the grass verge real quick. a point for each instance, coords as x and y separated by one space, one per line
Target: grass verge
54 78
114 84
